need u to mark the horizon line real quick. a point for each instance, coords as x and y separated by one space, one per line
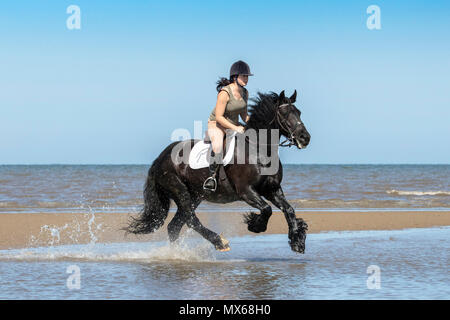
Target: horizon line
140 164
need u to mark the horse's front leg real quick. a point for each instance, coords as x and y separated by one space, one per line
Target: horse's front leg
256 222
297 226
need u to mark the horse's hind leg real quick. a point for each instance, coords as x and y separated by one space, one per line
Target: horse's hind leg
186 214
218 242
178 221
174 227
193 222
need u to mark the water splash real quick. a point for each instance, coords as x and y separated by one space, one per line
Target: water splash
83 236
93 238
79 230
186 249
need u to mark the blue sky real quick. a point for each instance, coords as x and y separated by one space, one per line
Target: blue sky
114 91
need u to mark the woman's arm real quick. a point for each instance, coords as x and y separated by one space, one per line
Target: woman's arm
221 103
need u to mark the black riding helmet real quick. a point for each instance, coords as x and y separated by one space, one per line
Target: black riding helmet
239 67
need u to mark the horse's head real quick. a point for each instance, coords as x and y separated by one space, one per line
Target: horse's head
288 118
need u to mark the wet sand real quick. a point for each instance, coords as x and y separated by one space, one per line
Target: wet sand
20 230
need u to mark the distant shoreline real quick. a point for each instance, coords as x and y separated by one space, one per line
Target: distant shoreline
289 164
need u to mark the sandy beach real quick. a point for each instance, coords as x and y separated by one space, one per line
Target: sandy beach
21 230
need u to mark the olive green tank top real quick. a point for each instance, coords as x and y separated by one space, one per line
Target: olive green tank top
233 108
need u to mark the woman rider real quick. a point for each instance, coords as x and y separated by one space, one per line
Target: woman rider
231 103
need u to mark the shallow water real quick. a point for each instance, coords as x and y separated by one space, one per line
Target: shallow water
413 264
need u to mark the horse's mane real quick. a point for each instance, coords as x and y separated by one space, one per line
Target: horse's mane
262 111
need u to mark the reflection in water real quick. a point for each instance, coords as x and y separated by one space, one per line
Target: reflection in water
219 280
413 263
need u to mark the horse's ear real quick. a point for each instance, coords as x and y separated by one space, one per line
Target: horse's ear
293 97
282 97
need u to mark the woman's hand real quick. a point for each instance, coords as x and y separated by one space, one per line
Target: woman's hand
240 129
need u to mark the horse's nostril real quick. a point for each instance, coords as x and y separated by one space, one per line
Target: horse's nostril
307 138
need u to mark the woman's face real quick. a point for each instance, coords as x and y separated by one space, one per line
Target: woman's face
242 79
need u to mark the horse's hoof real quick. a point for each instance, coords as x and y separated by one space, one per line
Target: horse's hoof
257 228
298 248
224 246
255 223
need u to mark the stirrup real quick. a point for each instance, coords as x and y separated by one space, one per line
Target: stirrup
207 180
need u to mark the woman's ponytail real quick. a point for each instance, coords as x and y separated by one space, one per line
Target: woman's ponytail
222 82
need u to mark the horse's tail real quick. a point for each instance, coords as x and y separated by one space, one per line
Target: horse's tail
156 207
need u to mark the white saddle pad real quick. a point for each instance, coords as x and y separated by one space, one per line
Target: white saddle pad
198 157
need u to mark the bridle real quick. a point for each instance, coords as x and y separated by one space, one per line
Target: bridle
289 141
282 123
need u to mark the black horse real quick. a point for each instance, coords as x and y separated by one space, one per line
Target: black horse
244 180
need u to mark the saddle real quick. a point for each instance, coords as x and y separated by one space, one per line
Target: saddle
199 155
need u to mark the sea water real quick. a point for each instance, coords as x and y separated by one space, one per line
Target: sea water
400 264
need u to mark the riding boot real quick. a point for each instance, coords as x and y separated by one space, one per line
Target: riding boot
211 182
